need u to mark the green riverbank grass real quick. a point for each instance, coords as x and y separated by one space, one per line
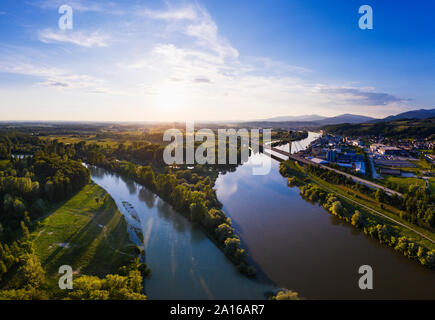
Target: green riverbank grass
87 232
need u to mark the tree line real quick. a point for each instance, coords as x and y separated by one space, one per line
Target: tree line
191 193
416 205
372 226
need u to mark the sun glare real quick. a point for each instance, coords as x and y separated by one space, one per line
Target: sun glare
170 98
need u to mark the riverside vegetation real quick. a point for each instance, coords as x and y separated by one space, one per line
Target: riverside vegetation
50 215
383 230
190 192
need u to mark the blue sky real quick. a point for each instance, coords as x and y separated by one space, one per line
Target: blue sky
213 60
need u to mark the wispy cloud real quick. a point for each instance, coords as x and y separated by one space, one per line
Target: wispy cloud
196 22
179 55
202 80
361 96
91 39
52 77
205 57
186 13
78 5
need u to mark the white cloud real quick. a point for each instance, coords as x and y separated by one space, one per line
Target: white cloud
52 77
208 71
181 58
75 37
194 21
186 13
78 5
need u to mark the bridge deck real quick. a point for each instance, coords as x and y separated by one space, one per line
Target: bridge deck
354 178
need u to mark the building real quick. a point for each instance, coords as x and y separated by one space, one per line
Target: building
360 167
357 143
345 165
319 161
390 151
331 156
375 146
393 172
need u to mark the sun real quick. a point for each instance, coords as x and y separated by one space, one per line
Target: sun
170 98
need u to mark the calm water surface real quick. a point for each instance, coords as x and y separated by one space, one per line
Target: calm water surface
294 244
185 263
300 246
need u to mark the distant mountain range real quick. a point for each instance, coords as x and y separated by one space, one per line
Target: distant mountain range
414 114
311 117
314 119
319 120
346 118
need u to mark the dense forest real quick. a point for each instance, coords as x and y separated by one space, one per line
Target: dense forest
35 176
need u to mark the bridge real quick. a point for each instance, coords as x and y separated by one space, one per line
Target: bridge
298 158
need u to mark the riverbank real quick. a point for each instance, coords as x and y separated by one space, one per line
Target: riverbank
88 233
404 240
195 198
182 257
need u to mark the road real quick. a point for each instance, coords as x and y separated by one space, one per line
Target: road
354 178
357 179
379 213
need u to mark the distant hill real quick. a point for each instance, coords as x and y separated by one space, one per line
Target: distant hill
345 118
414 114
316 120
313 121
407 128
309 118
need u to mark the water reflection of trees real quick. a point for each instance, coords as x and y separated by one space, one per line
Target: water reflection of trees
97 172
131 186
167 213
147 196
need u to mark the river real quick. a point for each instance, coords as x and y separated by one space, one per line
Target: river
299 246
185 263
293 243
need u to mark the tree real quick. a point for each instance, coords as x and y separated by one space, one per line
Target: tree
25 230
357 219
223 231
179 198
4 152
146 174
112 287
197 211
337 208
231 246
286 294
380 195
30 274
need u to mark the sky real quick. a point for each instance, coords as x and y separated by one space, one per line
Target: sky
209 60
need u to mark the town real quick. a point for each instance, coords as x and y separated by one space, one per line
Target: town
395 164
